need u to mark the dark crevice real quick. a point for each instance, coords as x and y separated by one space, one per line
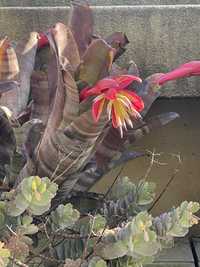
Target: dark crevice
196 261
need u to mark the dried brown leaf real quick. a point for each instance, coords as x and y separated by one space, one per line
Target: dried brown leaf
81 24
119 41
66 47
40 96
96 62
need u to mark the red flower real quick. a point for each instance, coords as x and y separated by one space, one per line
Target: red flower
42 40
122 104
191 68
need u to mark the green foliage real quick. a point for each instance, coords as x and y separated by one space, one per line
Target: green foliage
127 199
97 223
141 238
2 214
33 194
121 188
177 222
65 234
66 144
4 255
27 227
146 192
97 262
64 217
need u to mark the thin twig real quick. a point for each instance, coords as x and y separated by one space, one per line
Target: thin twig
74 236
176 170
18 263
164 189
115 180
153 160
87 241
59 164
10 229
47 258
69 167
51 248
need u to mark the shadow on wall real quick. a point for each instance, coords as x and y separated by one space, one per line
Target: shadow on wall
179 147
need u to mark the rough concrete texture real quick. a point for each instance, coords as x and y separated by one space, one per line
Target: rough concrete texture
161 37
171 264
196 245
181 252
179 256
96 2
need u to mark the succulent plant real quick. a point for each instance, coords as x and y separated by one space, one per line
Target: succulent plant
4 255
127 199
64 217
34 194
97 262
68 115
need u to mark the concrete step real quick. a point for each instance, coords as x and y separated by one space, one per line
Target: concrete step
96 2
161 37
196 244
179 256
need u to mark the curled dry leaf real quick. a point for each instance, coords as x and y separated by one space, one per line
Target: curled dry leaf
7 144
67 50
26 52
9 74
69 138
9 69
40 96
17 99
81 24
119 41
96 62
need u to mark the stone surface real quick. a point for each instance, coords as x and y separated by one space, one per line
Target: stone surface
96 2
161 37
196 244
171 264
179 256
181 252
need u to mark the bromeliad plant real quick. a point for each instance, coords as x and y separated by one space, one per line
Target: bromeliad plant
69 114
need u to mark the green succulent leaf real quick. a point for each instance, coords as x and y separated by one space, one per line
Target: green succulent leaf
27 220
146 192
97 262
98 223
4 255
121 188
2 214
33 194
64 216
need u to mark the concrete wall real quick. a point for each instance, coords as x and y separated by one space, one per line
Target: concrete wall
95 2
161 37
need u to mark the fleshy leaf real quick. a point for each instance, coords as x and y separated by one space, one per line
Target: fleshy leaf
33 194
64 217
